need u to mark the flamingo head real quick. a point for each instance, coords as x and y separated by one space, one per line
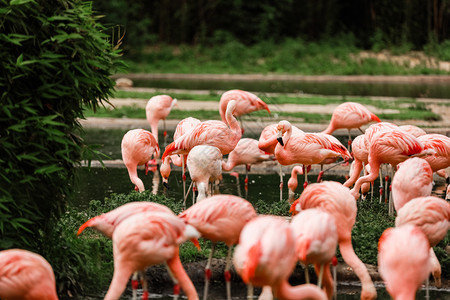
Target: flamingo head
282 127
295 207
165 172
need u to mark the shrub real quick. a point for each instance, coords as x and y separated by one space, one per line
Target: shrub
55 62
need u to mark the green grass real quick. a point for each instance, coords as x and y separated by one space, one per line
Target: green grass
293 56
408 109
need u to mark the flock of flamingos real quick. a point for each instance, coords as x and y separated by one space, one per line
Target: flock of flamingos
268 247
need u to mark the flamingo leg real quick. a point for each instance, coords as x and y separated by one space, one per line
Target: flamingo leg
349 143
134 285
227 273
249 291
380 175
176 285
319 281
144 285
165 133
184 179
427 289
187 192
306 273
334 282
435 268
281 182
208 271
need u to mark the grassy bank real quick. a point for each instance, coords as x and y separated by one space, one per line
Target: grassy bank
400 109
293 56
90 256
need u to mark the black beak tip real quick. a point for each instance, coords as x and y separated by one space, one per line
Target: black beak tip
280 140
166 185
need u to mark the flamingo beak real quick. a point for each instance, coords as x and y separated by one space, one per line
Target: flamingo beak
166 185
280 137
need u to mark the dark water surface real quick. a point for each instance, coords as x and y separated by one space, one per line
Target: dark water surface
389 89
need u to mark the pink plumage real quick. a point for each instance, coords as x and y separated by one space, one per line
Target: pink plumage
439 143
146 239
266 256
158 108
107 222
26 275
432 215
391 147
350 115
403 269
205 165
414 178
268 138
414 130
246 103
246 152
316 239
222 135
220 217
138 146
361 156
307 148
337 200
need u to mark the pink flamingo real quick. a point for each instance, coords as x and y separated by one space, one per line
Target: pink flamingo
414 130
266 256
246 103
306 149
147 239
138 146
205 165
441 144
245 153
316 239
350 115
390 147
293 181
403 271
158 108
219 218
107 222
432 215
267 143
212 133
414 178
184 126
337 200
26 275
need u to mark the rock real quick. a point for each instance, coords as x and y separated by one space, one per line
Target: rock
124 82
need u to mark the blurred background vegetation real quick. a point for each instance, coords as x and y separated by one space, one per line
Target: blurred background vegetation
399 26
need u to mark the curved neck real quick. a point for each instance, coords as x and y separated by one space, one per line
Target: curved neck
329 129
132 172
227 166
233 123
304 291
154 127
185 282
349 256
287 135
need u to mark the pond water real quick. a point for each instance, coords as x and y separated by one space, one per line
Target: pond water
390 89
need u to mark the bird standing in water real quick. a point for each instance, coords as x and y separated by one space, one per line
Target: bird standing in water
147 239
158 108
246 103
138 147
350 115
265 256
219 218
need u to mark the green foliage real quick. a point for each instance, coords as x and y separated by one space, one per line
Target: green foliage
55 61
371 221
